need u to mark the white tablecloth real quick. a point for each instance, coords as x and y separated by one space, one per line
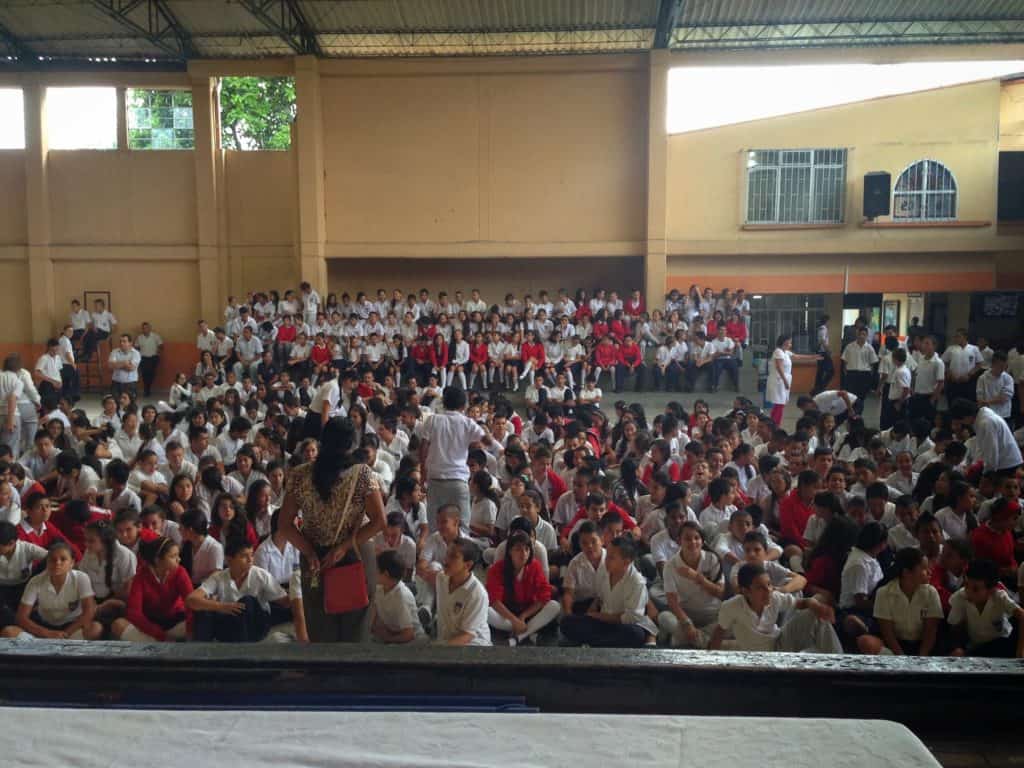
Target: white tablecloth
97 738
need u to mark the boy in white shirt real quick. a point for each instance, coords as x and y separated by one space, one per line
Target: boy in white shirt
752 617
393 539
980 613
579 587
233 605
393 615
462 601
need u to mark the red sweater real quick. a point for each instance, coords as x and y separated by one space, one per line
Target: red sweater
618 329
557 486
154 606
997 547
629 354
634 307
605 355
628 523
250 534
673 469
532 588
793 517
287 333
421 353
478 353
439 357
75 530
736 330
50 534
320 355
600 330
533 352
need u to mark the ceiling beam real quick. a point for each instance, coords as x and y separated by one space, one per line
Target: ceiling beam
16 47
669 12
286 19
160 26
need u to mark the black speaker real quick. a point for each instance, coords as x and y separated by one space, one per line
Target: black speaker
876 194
1011 186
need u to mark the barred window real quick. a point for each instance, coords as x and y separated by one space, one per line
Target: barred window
160 119
793 313
796 186
926 191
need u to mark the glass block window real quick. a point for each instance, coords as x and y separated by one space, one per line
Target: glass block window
926 191
159 119
796 186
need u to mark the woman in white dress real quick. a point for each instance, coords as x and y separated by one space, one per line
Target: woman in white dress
780 375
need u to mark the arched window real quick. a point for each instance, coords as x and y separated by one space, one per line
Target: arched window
926 191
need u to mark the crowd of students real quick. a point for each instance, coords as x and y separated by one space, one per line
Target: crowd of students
689 529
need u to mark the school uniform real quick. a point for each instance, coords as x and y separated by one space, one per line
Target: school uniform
53 608
463 609
257 591
206 560
953 525
931 371
803 632
988 629
405 549
960 362
149 351
779 575
125 380
996 444
990 387
51 368
396 610
699 606
859 360
627 599
900 537
894 403
125 565
861 574
156 609
280 565
581 579
714 520
907 614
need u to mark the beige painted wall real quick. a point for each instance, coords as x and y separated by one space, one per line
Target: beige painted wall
958 126
120 198
418 154
168 297
494 277
262 219
14 298
12 208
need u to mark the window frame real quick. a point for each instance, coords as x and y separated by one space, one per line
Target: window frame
128 119
813 167
924 193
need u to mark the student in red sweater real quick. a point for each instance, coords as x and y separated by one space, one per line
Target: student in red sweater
37 529
993 540
73 517
420 354
519 592
320 355
618 328
478 361
439 359
156 603
794 512
605 358
661 455
635 306
226 522
532 355
631 361
600 329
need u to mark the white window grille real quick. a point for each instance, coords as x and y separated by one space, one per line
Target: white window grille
925 191
796 186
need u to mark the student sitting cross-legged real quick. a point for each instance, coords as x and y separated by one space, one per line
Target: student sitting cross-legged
980 614
519 592
617 618
394 618
461 598
694 587
233 605
156 603
58 604
752 617
907 609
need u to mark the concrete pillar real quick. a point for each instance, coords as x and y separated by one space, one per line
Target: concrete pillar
656 253
37 206
206 123
309 148
122 119
958 314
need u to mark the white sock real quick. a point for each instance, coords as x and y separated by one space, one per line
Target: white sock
462 379
526 371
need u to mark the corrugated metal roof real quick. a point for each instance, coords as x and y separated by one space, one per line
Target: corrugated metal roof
225 28
724 12
478 15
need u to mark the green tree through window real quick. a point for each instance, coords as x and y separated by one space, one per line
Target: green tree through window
256 112
159 119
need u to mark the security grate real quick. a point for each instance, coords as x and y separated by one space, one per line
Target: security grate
796 314
803 186
926 191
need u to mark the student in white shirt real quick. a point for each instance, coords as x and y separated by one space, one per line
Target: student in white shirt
618 616
462 601
857 360
929 381
995 387
579 586
110 567
907 609
393 615
207 554
996 444
16 560
233 605
124 362
150 345
59 603
694 588
394 539
860 576
980 614
753 618
963 361
276 555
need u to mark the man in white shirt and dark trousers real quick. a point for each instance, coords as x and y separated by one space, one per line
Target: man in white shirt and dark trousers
149 345
995 441
858 359
48 371
447 437
124 364
995 387
963 362
929 380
